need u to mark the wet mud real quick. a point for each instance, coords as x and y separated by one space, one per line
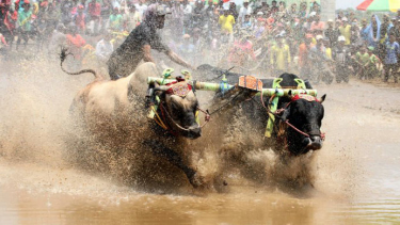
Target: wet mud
52 173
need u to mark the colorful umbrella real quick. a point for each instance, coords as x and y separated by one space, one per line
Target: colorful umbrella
379 5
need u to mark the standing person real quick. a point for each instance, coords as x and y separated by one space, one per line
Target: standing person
296 33
317 56
226 22
393 26
332 33
374 33
282 12
315 8
116 20
106 9
57 41
198 16
52 16
74 43
4 6
94 10
342 57
345 31
133 19
303 61
104 48
10 22
391 58
40 25
66 7
3 46
280 57
293 10
396 31
317 24
177 18
244 10
274 8
141 7
303 10
24 23
80 19
384 35
364 31
356 39
137 46
247 23
187 16
233 10
385 27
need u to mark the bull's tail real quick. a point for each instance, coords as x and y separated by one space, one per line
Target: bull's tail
64 55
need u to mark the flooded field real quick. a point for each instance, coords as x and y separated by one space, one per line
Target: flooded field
357 173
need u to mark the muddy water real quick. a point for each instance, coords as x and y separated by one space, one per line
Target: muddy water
357 174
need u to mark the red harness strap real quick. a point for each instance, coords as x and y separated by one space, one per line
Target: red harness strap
293 99
179 88
305 97
163 118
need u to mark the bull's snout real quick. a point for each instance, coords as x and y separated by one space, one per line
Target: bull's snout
194 132
314 143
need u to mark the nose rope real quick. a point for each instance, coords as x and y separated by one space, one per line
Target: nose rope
179 126
279 111
296 129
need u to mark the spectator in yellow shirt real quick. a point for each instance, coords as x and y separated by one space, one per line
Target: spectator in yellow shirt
226 22
280 57
345 31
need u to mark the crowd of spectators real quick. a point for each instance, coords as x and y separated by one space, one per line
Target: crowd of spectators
258 33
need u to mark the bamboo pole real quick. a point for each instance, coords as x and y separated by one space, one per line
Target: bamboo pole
208 86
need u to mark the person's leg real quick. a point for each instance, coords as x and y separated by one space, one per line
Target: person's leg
19 39
25 36
395 72
387 69
96 21
39 40
7 37
338 74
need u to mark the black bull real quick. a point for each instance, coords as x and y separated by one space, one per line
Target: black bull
304 115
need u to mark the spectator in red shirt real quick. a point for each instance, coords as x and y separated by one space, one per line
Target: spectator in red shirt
80 19
94 10
317 24
4 6
75 42
10 20
303 62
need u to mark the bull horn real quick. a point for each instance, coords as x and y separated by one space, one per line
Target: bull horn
322 99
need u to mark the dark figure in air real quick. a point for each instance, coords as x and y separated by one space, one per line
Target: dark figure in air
137 46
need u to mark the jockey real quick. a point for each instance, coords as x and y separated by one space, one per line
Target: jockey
137 46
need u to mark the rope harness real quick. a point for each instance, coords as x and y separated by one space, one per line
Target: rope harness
181 89
281 110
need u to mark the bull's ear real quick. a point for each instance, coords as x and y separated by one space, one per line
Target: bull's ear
322 99
285 114
290 93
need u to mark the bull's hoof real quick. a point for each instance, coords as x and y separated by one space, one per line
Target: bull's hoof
197 180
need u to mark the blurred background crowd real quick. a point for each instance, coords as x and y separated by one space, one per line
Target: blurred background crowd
260 36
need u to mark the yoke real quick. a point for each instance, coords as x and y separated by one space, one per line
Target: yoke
250 87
